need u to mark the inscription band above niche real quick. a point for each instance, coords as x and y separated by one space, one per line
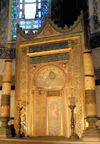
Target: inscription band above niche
49 46
52 46
53 93
49 58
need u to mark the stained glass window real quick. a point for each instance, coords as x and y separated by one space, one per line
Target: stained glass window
29 14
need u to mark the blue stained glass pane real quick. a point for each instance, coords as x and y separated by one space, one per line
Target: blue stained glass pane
45 8
26 32
14 32
14 28
39 5
14 36
36 24
39 10
26 1
28 24
15 15
20 6
14 23
39 14
34 31
22 24
20 14
36 16
14 18
30 11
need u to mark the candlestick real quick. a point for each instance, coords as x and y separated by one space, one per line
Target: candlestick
72 105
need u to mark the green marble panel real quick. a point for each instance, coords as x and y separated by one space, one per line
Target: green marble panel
49 58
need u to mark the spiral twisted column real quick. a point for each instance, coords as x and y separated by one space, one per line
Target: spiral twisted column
91 133
5 99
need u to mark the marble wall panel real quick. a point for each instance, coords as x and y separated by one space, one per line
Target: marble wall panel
37 113
54 116
43 113
12 103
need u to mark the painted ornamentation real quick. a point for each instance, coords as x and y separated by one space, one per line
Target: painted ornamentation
52 75
90 109
54 110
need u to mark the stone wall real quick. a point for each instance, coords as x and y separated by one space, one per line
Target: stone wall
94 36
96 62
4 13
94 16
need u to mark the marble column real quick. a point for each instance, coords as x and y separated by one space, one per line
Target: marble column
5 99
91 133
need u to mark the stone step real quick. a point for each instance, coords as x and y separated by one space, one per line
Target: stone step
42 140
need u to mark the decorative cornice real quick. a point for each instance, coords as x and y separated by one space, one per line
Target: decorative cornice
54 26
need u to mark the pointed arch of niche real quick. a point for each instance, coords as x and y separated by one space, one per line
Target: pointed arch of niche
46 98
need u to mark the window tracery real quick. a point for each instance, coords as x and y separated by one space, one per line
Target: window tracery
29 14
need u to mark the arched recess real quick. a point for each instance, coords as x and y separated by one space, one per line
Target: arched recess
49 103
50 76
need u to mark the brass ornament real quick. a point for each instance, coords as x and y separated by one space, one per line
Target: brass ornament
47 31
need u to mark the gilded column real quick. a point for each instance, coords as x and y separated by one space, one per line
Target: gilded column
90 99
5 99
